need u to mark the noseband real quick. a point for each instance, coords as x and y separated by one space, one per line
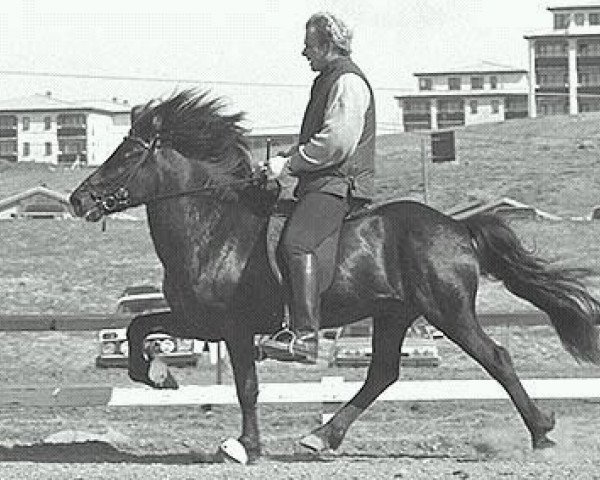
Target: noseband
120 197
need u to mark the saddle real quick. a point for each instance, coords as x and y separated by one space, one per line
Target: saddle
326 252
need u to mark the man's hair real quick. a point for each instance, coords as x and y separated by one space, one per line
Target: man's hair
332 30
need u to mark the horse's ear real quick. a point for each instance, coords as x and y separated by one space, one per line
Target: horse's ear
136 112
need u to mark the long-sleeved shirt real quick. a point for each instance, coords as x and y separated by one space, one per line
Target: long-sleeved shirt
343 124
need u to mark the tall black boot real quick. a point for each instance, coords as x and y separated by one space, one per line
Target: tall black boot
301 342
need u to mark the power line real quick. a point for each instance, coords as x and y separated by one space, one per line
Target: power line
85 76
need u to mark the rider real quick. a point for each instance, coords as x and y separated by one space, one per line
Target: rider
334 164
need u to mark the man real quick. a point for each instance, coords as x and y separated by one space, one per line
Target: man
334 164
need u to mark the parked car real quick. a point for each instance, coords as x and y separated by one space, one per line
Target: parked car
113 346
352 346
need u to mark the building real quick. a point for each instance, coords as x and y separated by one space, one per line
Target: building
481 93
36 202
565 61
41 128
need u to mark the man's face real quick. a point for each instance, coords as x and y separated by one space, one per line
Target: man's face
317 54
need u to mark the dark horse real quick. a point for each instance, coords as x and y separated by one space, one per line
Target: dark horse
187 161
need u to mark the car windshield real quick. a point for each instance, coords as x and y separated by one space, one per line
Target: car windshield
142 305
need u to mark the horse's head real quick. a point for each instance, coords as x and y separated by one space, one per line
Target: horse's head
174 146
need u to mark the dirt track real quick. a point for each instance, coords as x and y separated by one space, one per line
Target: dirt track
413 440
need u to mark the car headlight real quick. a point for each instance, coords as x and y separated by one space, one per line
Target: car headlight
167 345
108 348
124 347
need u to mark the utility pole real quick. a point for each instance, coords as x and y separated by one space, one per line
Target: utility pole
425 171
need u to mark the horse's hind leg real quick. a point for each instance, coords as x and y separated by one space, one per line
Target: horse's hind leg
465 331
388 334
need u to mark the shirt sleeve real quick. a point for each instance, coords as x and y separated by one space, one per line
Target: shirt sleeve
343 124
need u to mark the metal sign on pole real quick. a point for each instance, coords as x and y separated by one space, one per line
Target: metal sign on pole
443 147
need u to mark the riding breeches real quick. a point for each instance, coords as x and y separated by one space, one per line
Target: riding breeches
315 218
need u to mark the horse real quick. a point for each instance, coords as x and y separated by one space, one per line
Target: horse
208 210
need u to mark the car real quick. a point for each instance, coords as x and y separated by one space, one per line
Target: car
352 346
135 300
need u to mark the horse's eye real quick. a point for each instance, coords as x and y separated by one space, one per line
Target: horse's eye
130 153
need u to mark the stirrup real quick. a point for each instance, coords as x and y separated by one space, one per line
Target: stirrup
281 346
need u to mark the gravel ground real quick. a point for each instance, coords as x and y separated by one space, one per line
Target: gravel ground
410 440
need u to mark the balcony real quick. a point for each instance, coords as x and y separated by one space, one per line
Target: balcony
70 158
68 131
8 132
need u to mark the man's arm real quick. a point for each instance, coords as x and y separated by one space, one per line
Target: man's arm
343 124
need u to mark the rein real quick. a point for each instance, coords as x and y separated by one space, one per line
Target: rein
121 198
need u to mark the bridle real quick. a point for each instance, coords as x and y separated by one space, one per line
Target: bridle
119 197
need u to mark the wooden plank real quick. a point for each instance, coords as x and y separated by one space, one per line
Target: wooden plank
63 322
306 392
97 321
71 396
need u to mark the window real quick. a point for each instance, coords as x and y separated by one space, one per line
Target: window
476 83
561 20
47 123
493 82
48 146
495 106
26 123
71 146
8 122
594 18
579 19
454 83
473 106
8 147
71 120
425 84
26 149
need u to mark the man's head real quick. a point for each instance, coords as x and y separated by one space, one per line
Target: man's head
327 38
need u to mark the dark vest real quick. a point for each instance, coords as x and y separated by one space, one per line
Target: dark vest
355 174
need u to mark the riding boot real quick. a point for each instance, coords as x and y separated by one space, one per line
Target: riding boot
301 342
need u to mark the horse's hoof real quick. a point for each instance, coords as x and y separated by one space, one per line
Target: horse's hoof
543 442
314 443
233 450
160 376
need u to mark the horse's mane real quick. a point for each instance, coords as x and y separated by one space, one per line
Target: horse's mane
197 127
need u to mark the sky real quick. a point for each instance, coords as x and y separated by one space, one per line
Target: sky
227 45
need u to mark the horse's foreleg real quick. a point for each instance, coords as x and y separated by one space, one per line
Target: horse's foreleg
139 366
388 334
241 353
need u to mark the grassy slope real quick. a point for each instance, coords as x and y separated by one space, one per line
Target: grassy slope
548 162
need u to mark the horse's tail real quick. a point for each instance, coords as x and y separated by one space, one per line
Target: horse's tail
557 291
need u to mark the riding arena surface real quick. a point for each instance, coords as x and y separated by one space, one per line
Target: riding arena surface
410 440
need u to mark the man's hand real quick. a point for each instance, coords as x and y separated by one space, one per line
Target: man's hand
275 167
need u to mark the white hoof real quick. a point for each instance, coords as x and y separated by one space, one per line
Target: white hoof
158 371
234 451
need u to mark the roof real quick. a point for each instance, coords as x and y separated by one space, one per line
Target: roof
505 203
39 190
573 31
462 93
481 67
580 6
39 102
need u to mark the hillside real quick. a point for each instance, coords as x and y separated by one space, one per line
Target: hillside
549 162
